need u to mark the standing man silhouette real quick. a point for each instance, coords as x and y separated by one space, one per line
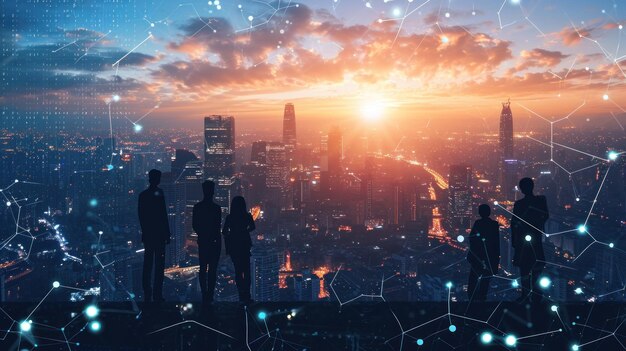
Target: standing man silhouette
483 254
237 227
527 226
207 223
155 234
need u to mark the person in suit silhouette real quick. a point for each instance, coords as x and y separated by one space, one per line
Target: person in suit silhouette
155 234
527 226
207 223
236 231
483 254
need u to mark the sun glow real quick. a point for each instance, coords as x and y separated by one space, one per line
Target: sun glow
373 110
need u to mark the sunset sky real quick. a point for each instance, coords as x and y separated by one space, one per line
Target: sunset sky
336 60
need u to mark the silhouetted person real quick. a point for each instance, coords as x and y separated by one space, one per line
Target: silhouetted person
155 234
207 223
237 228
483 254
527 225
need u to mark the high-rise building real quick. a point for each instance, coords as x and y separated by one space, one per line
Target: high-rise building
332 147
276 160
289 128
265 266
192 176
175 202
508 173
219 156
258 153
180 160
460 195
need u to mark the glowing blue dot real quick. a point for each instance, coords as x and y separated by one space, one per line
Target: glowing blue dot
25 326
92 311
528 238
93 202
613 155
137 128
486 338
250 18
420 342
611 245
578 291
545 282
449 285
95 326
56 284
575 347
510 340
452 328
110 167
582 228
554 308
460 238
515 284
262 315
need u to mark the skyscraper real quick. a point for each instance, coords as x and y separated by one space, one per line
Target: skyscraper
460 195
332 171
508 164
289 128
219 155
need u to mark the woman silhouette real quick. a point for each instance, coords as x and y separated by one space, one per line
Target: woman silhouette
236 231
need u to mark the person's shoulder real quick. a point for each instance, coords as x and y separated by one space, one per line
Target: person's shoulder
215 206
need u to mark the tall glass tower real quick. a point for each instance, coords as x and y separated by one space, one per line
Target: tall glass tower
289 128
219 156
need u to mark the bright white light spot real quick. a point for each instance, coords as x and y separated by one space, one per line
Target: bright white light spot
613 155
95 326
368 5
250 18
495 203
605 97
92 311
397 12
449 285
515 284
510 340
137 128
8 203
577 199
444 39
486 338
447 14
582 229
574 347
544 282
116 98
372 110
516 1
528 238
621 26
110 167
460 238
578 291
611 245
553 308
25 326
56 284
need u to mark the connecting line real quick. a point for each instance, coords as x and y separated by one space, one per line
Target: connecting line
192 322
379 296
500 18
274 10
595 199
117 63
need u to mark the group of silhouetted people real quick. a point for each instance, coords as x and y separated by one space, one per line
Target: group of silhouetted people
207 223
527 226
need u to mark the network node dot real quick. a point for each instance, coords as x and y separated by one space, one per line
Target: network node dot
92 311
447 14
25 326
605 97
56 284
611 245
553 308
137 128
116 98
420 342
452 328
460 238
449 285
578 291
515 284
575 347
262 315
486 338
510 340
8 203
95 326
250 18
613 155
528 238
93 202
545 282
582 229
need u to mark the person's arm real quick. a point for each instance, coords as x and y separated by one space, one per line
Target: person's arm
251 225
166 223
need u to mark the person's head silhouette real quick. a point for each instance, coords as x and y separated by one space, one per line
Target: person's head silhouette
238 206
154 177
208 188
484 211
526 186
